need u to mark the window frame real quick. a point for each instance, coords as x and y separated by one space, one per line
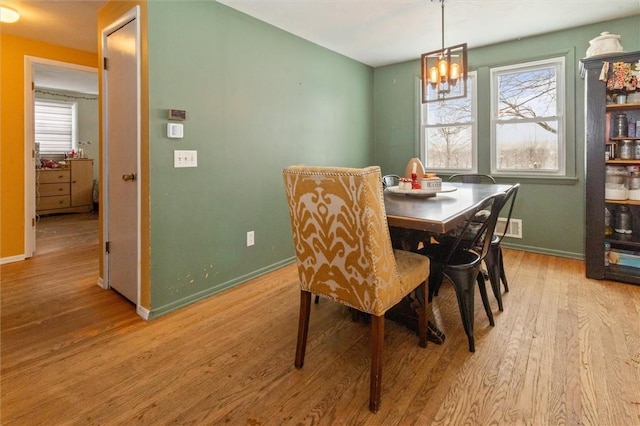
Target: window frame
472 91
557 62
73 142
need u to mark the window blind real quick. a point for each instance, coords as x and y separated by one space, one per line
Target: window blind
54 125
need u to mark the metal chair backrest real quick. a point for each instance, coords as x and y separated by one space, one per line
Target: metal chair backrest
510 195
471 178
476 235
389 180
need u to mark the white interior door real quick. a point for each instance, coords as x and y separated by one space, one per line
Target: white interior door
121 146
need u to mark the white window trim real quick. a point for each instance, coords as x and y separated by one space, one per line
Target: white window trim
473 92
559 64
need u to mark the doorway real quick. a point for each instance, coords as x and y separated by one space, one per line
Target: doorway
65 82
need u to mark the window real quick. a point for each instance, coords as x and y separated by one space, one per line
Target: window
527 118
55 123
448 132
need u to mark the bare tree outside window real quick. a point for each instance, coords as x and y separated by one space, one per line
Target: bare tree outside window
527 102
449 132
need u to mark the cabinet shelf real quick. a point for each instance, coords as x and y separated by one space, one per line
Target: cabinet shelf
622 273
626 240
625 138
624 162
627 202
618 107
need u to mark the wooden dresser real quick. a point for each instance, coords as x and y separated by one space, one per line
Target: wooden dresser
65 190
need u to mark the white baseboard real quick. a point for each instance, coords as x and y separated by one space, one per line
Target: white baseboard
12 259
101 284
144 313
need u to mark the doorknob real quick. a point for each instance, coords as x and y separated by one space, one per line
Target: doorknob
129 178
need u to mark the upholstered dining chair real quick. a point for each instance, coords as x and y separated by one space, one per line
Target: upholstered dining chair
471 178
459 257
343 252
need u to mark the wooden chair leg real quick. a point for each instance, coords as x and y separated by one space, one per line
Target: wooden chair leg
303 327
377 344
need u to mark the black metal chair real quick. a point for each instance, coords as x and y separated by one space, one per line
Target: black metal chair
471 178
493 260
389 180
459 259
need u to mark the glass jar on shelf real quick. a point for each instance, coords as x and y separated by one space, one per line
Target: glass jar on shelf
626 149
620 127
616 183
634 185
623 220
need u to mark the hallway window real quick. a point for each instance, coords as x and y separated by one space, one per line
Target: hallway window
55 126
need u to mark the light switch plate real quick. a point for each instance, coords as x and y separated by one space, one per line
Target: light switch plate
183 158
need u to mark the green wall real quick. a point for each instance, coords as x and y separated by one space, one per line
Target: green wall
257 99
552 210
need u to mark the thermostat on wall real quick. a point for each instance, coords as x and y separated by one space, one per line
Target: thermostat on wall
175 130
177 114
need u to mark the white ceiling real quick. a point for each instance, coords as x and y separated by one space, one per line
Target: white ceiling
382 32
374 32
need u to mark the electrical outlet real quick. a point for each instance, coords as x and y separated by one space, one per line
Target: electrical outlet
250 238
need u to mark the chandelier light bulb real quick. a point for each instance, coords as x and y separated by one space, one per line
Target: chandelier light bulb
455 72
433 76
443 69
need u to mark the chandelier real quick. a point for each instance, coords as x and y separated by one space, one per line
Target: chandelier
444 71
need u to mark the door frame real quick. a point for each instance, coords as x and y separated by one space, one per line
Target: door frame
131 15
29 145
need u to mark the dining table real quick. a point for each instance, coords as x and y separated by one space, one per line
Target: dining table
412 216
416 217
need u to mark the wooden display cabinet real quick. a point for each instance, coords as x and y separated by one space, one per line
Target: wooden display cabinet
598 136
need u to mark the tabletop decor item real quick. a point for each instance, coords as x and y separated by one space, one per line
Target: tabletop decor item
605 43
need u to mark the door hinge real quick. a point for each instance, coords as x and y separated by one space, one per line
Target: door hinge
33 221
107 246
105 63
33 86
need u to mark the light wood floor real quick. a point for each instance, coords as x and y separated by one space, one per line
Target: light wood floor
566 350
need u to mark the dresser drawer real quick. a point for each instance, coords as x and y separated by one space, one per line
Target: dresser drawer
54 176
56 202
51 189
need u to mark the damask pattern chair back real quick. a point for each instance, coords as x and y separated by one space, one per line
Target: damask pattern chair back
341 236
343 251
